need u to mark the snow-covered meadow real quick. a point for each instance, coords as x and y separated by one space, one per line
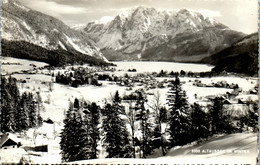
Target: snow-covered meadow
10 65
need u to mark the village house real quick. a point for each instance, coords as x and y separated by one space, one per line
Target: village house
9 140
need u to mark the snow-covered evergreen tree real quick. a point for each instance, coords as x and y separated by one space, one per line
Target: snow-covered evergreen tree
219 121
7 112
179 119
250 119
40 108
32 111
67 140
116 140
91 122
200 122
215 113
18 113
253 116
10 98
76 103
74 142
21 113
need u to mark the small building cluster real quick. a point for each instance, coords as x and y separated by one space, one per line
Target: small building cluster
219 84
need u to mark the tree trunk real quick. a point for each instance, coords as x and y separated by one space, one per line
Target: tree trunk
133 138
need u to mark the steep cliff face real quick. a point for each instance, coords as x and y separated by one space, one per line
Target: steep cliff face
21 24
148 34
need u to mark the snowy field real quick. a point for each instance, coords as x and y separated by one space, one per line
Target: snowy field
22 64
56 100
244 83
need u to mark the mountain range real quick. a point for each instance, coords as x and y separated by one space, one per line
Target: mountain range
139 33
30 34
143 33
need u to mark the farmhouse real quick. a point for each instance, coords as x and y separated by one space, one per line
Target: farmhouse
9 140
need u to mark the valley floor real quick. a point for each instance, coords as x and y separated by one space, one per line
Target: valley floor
238 148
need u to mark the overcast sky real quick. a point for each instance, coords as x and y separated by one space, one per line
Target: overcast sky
240 15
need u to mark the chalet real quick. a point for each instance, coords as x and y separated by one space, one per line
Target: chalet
241 101
233 86
235 110
9 140
210 85
212 97
3 74
253 91
41 148
200 85
38 148
218 84
224 83
25 71
233 94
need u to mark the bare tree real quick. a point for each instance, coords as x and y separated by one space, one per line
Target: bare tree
130 114
160 117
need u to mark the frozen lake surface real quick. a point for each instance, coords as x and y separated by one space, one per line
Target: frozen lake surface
149 66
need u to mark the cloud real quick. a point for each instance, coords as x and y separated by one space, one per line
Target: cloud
209 13
83 11
106 19
53 8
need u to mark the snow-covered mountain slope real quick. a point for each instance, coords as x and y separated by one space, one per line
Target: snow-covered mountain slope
20 23
240 57
239 148
150 34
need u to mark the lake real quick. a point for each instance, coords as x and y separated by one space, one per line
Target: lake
149 66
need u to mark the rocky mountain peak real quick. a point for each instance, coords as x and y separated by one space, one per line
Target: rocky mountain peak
185 11
134 32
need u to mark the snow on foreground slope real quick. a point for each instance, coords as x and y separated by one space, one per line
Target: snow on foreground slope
239 148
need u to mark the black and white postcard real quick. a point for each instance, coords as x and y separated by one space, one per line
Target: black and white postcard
129 82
